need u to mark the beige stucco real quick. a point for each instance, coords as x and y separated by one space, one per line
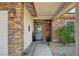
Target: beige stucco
77 29
28 21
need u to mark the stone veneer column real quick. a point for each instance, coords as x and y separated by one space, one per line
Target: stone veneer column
77 29
15 40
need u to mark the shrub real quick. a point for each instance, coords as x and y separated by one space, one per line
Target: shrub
66 34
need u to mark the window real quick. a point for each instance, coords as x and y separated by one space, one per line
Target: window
69 22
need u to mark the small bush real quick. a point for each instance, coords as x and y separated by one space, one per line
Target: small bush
66 34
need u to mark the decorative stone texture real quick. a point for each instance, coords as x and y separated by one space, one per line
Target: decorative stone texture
15 27
59 49
55 25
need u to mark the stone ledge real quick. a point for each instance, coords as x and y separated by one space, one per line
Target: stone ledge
30 50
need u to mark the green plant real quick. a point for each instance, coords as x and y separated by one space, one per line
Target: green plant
66 34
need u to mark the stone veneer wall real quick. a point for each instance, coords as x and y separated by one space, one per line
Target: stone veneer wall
15 27
55 25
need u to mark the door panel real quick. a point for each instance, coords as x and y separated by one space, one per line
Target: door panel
3 33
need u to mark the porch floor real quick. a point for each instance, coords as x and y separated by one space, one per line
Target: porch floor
54 49
42 49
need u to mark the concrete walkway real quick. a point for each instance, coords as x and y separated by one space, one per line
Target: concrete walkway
42 50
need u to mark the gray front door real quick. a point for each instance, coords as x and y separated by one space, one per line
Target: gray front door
38 32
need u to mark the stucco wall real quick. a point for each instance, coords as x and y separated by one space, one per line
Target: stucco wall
28 21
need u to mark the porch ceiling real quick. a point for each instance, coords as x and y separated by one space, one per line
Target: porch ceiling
47 10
